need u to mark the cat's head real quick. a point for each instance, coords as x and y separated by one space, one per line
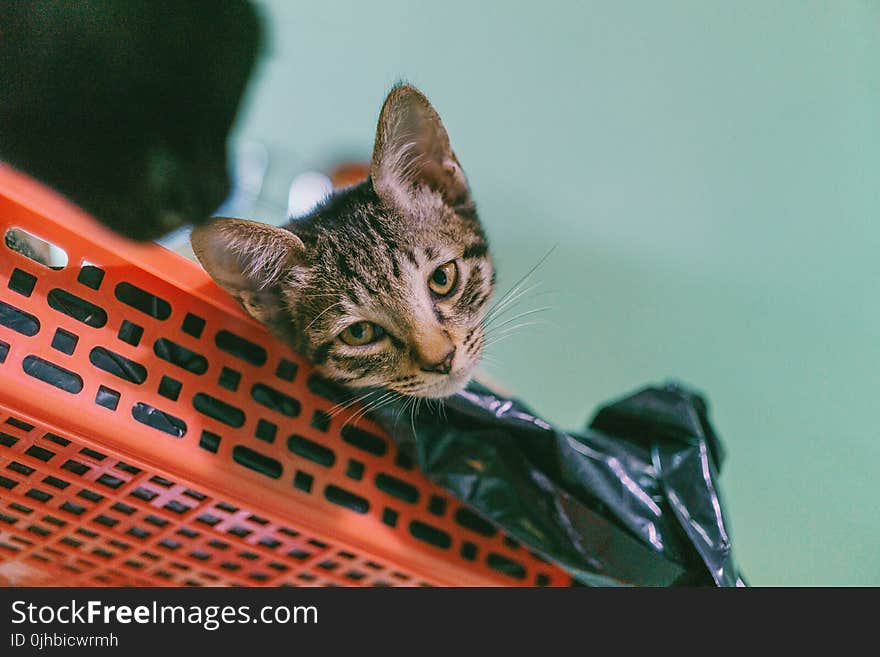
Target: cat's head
387 283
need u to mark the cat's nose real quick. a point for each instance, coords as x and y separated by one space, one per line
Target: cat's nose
442 366
432 350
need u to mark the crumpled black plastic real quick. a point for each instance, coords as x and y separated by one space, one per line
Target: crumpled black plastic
631 500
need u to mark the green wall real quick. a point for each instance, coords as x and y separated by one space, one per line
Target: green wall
711 174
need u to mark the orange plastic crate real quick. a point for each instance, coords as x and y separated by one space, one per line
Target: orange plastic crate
260 487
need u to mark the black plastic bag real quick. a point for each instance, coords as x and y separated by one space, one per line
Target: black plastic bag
632 500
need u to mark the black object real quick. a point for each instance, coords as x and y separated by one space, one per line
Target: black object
631 500
125 107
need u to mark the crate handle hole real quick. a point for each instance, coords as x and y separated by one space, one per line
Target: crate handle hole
35 248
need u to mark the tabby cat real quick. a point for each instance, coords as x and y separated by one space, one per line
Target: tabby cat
385 284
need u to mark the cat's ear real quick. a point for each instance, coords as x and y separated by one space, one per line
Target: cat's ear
412 150
248 260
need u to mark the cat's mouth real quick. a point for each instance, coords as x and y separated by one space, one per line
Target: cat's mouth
444 386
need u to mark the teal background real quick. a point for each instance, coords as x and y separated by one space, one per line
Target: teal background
710 172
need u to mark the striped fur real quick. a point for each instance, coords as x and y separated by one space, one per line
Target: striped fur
366 254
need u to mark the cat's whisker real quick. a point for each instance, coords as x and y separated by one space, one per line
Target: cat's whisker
511 330
404 407
372 405
409 407
515 303
375 403
496 340
499 339
412 415
525 276
489 359
503 315
429 406
540 321
350 400
338 408
488 331
384 401
399 412
511 305
516 286
515 327
510 297
511 300
341 406
389 401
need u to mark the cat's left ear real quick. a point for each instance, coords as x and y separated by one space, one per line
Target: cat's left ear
412 150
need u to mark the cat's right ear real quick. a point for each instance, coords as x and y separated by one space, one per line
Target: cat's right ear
248 259
412 151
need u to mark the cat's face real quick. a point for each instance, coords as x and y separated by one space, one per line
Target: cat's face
384 285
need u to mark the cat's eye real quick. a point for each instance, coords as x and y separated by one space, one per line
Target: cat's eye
361 333
443 279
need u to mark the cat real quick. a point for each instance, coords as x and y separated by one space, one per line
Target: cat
386 283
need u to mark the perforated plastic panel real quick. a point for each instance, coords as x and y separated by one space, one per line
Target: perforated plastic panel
151 434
